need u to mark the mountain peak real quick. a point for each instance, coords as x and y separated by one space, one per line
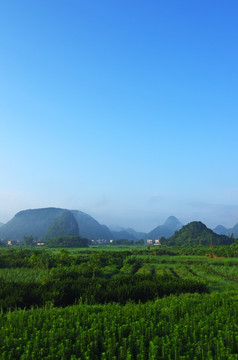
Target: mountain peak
197 226
166 230
220 229
173 223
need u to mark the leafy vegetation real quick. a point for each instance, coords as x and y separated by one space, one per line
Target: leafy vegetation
123 242
142 303
67 242
176 327
97 279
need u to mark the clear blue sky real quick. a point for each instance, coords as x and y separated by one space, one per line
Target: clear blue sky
126 110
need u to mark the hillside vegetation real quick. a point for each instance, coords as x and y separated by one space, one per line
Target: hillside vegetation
196 233
64 225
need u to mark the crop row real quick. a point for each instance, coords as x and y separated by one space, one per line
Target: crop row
188 326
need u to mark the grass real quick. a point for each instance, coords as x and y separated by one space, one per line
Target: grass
23 274
219 274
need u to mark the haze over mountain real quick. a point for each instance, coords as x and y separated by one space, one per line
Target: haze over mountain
46 223
115 227
126 233
233 230
89 227
1 223
196 233
118 235
220 230
137 234
50 221
29 222
166 230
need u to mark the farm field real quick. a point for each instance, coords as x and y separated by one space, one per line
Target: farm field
128 303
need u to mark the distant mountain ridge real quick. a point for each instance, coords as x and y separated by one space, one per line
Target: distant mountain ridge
1 224
166 230
115 227
233 230
222 230
137 234
45 221
119 232
90 228
118 235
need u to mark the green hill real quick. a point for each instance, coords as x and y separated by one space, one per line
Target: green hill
64 225
196 233
90 228
29 222
39 222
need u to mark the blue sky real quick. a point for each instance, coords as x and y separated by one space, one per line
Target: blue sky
126 110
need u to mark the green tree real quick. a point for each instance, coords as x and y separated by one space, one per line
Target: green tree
28 240
140 242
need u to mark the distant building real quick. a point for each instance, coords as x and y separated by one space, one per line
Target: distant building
40 244
157 242
99 242
149 242
13 242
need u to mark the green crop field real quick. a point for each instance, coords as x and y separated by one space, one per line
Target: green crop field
119 304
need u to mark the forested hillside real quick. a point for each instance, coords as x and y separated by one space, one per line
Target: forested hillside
29 222
196 233
64 225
